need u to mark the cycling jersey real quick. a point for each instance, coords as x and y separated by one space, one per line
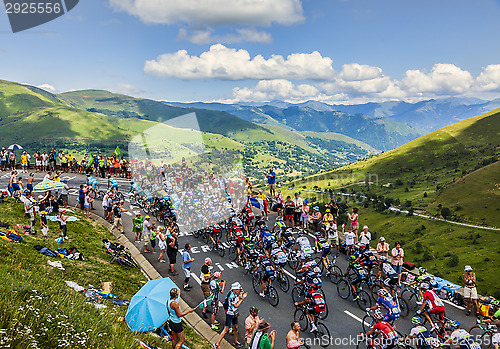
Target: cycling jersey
266 236
305 246
317 304
393 311
387 330
312 279
388 269
424 338
358 269
113 182
92 182
313 266
279 256
267 267
368 258
432 300
463 338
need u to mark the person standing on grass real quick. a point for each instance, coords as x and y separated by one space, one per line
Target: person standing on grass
216 288
62 223
470 291
382 248
248 189
29 210
206 276
175 322
43 223
271 180
397 259
162 244
137 226
234 299
354 217
186 266
31 181
172 250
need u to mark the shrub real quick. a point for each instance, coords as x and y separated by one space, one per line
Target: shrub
425 194
453 261
445 212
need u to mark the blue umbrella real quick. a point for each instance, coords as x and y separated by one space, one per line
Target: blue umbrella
148 308
14 147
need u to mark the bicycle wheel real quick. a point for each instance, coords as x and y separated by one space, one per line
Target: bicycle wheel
196 233
344 289
323 334
256 283
293 261
221 249
100 194
403 307
120 196
228 237
233 253
335 274
211 244
374 290
324 314
298 294
364 300
319 262
300 316
411 299
244 267
283 281
273 296
367 323
481 336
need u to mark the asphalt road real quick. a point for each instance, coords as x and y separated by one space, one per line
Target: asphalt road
344 319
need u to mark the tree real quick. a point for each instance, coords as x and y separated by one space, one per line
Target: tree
445 212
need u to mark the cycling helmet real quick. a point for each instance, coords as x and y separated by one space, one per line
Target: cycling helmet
352 258
382 292
88 174
109 175
308 257
422 270
363 247
383 258
247 239
424 285
316 208
454 324
279 218
377 315
327 210
416 320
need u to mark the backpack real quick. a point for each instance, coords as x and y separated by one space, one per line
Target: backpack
14 237
318 303
225 304
48 252
4 225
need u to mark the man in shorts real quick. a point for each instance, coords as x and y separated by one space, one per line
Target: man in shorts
216 288
205 277
234 299
271 180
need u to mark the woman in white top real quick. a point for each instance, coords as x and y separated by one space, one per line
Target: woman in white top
162 245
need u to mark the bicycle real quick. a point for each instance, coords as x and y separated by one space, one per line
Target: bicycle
299 294
335 272
344 290
269 290
215 245
282 278
483 333
412 296
322 333
372 342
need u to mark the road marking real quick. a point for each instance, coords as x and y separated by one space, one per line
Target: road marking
356 318
127 213
453 304
289 274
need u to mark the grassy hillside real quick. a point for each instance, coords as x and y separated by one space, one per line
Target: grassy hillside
420 173
37 308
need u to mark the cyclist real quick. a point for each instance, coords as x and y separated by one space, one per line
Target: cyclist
287 238
423 277
279 227
112 183
305 246
249 251
366 258
322 243
266 239
278 255
92 183
315 304
213 230
310 264
386 301
424 340
391 277
381 327
268 270
460 338
434 305
361 274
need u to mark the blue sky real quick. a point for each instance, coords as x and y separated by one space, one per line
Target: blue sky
336 51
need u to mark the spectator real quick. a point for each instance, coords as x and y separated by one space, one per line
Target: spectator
315 219
271 180
293 340
470 291
137 226
251 324
262 198
64 193
186 266
354 217
289 208
304 217
382 248
62 223
350 240
216 288
279 203
206 275
162 245
117 214
234 298
365 236
333 206
397 260
297 209
146 231
172 249
29 210
175 319
31 180
249 188
260 339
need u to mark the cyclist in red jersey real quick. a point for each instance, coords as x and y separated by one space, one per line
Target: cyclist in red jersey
388 332
434 305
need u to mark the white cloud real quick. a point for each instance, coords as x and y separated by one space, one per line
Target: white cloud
269 90
125 89
205 36
213 12
358 72
48 88
444 79
221 62
489 79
